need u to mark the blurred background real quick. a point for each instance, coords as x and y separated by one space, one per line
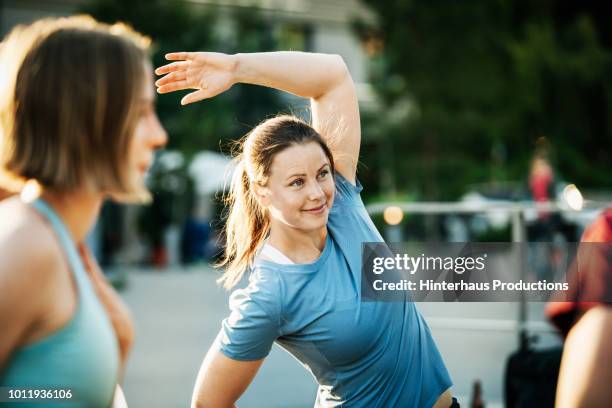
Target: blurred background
482 121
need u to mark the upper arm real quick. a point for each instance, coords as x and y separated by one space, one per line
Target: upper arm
255 319
222 380
245 339
583 378
26 274
335 115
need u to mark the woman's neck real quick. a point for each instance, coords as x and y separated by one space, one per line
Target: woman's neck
78 210
298 245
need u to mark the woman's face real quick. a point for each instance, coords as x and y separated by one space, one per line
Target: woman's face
149 135
300 189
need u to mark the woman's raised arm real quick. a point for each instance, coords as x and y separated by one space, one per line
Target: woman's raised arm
322 78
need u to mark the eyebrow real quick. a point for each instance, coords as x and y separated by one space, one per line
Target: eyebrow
303 174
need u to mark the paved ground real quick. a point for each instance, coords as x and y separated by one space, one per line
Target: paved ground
178 313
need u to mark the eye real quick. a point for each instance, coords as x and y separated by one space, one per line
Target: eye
297 182
323 173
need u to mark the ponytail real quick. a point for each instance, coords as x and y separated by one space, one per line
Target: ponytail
246 227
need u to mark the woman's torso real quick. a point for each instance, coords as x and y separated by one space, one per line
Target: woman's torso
364 354
72 345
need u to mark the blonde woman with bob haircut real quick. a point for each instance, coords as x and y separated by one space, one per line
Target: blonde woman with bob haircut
78 125
296 224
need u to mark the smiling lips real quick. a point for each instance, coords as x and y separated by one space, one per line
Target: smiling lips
316 210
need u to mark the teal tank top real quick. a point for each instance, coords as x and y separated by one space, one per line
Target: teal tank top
82 356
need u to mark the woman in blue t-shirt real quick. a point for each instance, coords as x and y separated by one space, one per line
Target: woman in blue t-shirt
296 223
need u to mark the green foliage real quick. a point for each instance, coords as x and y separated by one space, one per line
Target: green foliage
468 87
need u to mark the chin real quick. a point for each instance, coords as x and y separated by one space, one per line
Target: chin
313 226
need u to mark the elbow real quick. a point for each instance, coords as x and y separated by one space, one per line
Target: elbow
334 75
341 71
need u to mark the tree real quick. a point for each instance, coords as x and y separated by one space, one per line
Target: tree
467 88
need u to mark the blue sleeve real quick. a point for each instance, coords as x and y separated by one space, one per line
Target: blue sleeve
347 193
254 322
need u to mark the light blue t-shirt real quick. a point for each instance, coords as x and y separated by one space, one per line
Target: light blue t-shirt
362 354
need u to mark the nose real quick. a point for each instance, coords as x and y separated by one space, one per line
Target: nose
158 137
315 193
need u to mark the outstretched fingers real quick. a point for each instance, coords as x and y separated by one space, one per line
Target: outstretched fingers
173 86
171 77
181 74
179 56
173 67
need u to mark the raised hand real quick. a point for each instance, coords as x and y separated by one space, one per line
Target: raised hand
210 73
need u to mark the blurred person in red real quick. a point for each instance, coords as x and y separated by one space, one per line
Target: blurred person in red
542 191
541 180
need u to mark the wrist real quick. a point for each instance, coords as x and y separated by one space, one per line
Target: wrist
237 69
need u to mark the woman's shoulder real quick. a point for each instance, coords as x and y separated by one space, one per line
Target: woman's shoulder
29 250
30 273
263 286
348 192
264 278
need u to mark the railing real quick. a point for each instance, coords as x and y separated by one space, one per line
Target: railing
517 212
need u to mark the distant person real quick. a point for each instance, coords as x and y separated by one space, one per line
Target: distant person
542 191
296 223
541 180
78 123
546 234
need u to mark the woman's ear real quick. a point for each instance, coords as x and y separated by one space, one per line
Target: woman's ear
262 194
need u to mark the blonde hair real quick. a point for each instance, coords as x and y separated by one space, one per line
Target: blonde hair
69 102
248 224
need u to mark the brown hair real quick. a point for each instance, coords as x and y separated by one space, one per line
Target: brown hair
69 104
248 224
